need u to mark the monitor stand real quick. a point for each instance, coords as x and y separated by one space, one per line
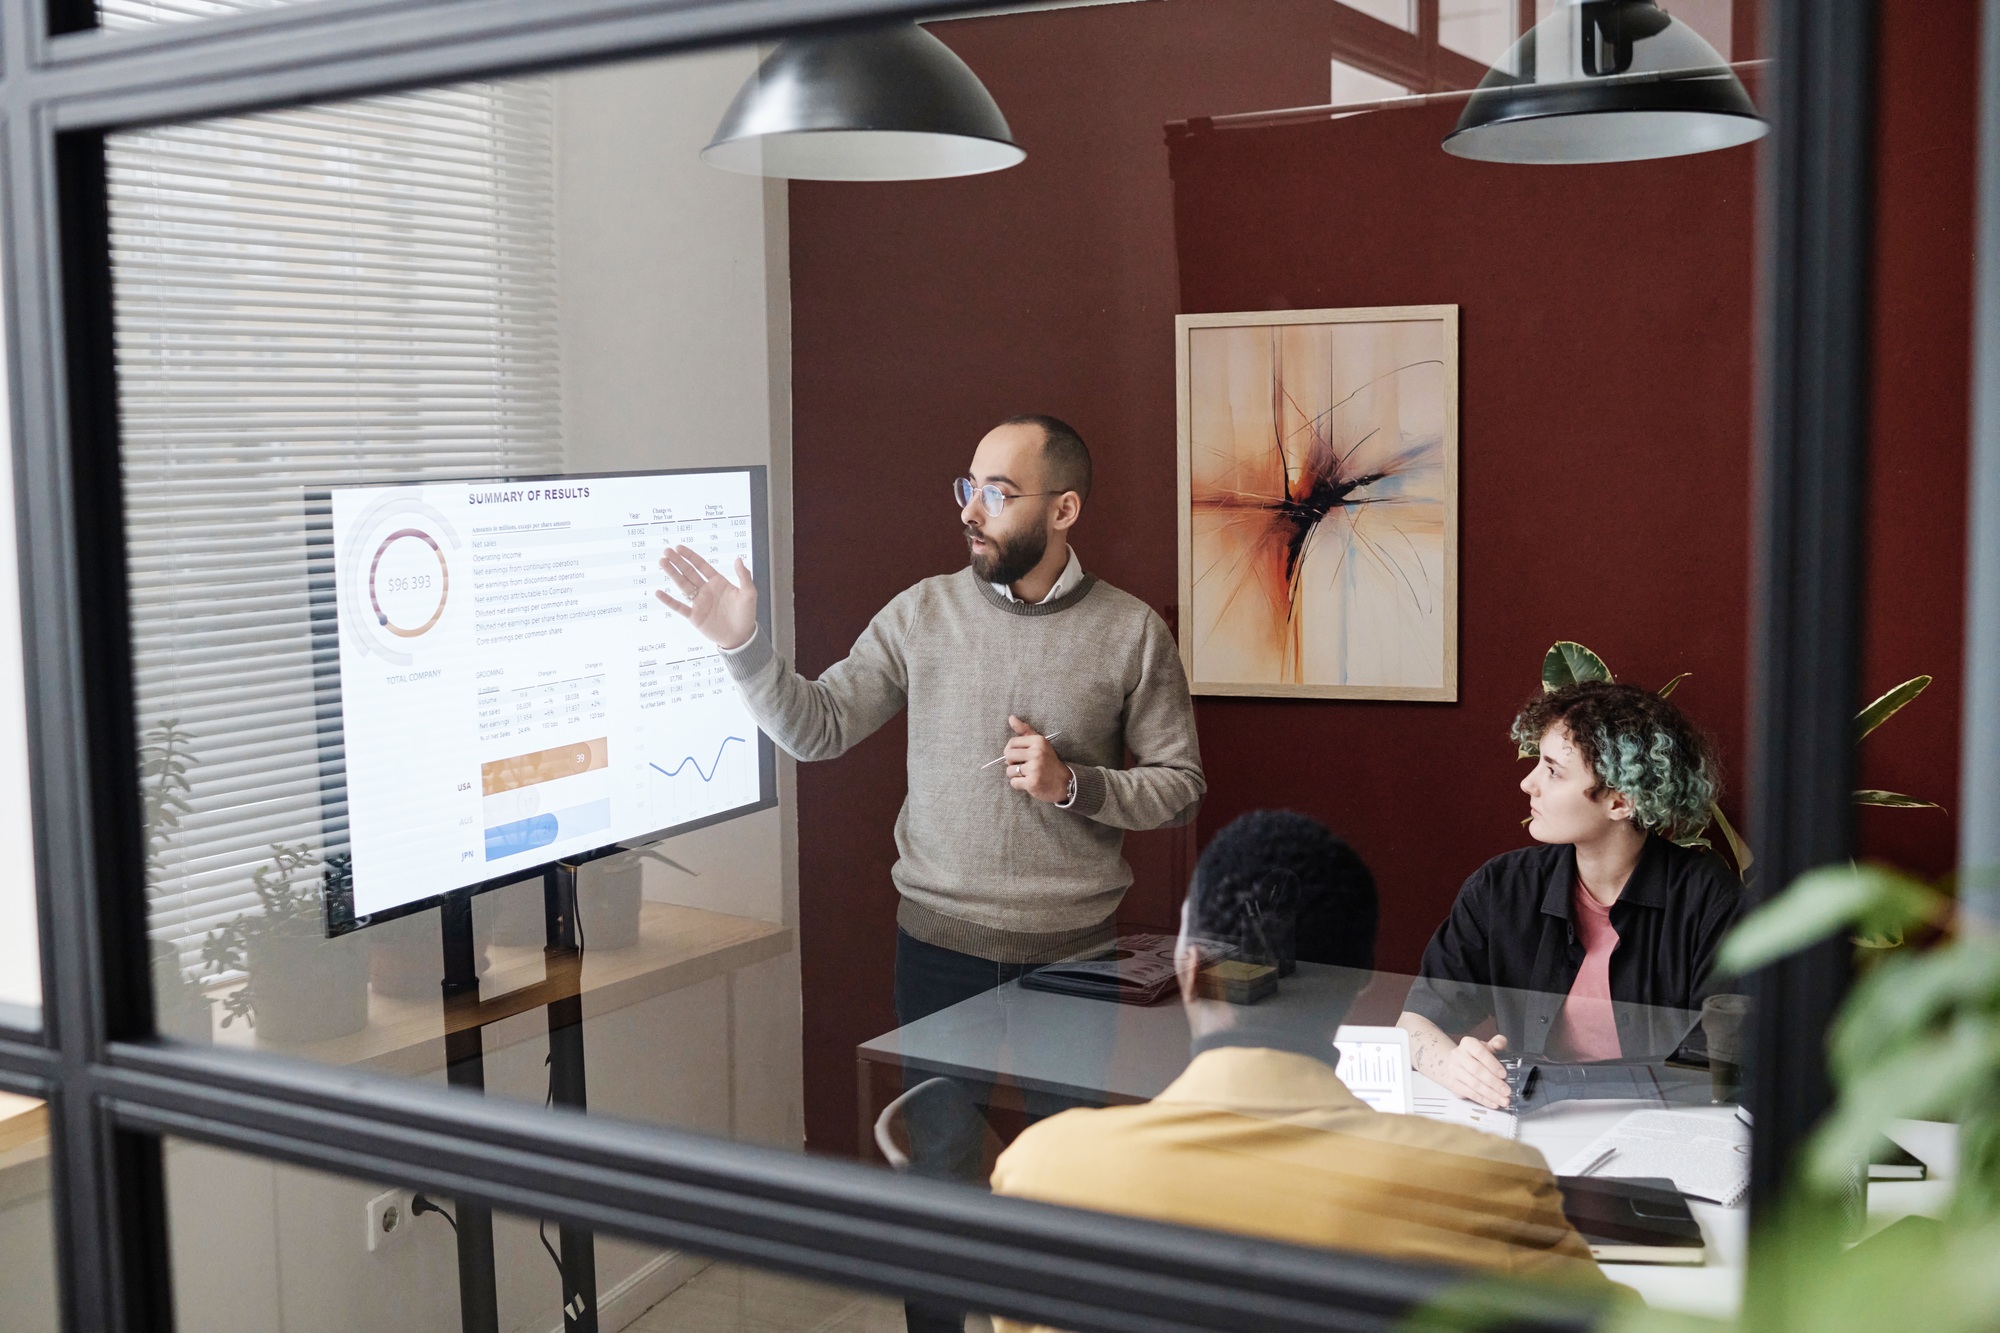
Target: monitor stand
465 1067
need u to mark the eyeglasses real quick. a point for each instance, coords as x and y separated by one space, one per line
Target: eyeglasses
992 497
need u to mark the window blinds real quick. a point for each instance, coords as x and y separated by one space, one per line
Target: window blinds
138 13
332 295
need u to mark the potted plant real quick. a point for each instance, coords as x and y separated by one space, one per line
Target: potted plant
302 986
166 758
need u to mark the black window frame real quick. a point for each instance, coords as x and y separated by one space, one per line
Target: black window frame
114 1091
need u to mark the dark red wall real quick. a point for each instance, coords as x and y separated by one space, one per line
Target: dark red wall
923 314
1926 162
1605 410
1607 377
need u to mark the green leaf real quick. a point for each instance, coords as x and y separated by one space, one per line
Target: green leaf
1907 998
1820 902
1893 801
1737 847
1637 1317
1929 1080
1886 707
1567 663
1667 689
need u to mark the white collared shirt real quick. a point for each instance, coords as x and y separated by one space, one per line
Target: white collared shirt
1065 582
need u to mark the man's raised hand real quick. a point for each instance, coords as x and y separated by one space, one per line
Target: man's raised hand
722 612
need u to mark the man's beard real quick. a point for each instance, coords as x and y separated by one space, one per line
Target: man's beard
1007 563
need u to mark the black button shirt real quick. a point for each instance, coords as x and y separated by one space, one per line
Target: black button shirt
1510 952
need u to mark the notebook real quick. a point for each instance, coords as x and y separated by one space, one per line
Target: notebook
1889 1160
1633 1221
1706 1154
1138 969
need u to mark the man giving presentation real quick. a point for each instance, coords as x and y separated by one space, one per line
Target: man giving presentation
1028 683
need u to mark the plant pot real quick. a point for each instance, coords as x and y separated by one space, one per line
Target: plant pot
608 910
306 989
180 1008
610 893
406 956
520 918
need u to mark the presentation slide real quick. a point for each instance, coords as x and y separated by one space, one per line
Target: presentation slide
511 689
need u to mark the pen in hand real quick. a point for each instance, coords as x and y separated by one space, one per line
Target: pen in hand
990 762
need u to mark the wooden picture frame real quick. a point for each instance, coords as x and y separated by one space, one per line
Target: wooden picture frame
1318 502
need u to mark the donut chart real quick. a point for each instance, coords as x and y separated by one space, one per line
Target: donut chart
409 582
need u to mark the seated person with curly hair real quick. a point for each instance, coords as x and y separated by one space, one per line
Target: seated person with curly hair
1598 943
1320 887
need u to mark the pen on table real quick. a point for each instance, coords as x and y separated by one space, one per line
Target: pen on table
990 762
1598 1161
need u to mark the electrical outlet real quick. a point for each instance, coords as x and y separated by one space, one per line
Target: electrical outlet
389 1219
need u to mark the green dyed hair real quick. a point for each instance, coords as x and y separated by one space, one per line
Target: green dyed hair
1637 744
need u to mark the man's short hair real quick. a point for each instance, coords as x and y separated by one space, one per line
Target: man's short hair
1063 452
1276 865
1636 743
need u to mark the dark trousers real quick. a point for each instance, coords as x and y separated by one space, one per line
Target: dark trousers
947 1134
930 977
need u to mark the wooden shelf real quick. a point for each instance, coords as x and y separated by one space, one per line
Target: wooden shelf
678 947
23 1121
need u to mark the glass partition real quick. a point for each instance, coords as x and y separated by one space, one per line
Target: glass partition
1220 458
335 320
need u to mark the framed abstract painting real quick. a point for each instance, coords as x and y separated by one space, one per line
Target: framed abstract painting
1319 502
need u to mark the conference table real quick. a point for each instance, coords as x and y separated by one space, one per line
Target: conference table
1099 1053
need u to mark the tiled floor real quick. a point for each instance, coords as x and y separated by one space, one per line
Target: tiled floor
723 1298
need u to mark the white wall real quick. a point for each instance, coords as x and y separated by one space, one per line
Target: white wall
27 1243
674 300
676 348
20 955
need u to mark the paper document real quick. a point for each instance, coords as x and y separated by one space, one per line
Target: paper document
1375 1065
1459 1111
1705 1153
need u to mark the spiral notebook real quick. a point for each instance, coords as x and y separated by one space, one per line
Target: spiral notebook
1705 1153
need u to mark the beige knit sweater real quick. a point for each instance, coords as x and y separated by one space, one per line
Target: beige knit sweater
982 868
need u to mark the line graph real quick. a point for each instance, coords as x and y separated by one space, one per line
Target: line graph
716 763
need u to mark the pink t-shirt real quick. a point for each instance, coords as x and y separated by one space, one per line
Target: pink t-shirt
1588 1030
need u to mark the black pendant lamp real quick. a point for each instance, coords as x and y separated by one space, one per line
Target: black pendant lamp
1606 81
887 104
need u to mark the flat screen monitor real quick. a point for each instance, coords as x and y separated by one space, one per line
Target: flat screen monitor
500 688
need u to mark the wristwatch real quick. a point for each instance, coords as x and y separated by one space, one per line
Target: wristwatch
1069 800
